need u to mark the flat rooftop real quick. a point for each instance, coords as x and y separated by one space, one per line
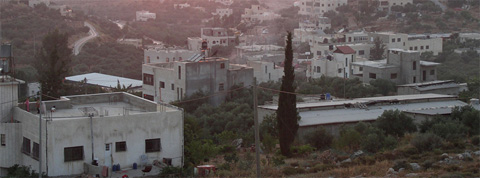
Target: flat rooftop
375 64
397 98
105 80
338 116
101 105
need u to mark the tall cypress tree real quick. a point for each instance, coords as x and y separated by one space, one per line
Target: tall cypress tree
376 52
287 115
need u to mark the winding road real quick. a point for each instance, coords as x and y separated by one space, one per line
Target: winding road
77 47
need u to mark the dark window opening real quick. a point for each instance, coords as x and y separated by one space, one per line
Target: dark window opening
35 151
393 76
73 153
26 146
222 66
162 84
120 146
147 79
167 161
173 86
153 145
2 139
372 75
148 97
414 65
221 87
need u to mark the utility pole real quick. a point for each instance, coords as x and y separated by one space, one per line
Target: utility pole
40 138
91 133
257 134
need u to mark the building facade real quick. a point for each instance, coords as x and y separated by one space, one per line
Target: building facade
223 12
145 15
258 14
217 37
156 55
319 7
401 67
126 130
172 81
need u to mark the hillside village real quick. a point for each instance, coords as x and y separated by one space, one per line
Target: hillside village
240 88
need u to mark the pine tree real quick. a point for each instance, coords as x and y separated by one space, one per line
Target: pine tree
376 52
53 63
287 115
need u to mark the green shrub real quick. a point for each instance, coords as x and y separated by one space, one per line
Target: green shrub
302 149
395 123
292 171
278 160
170 170
427 163
372 143
349 140
390 142
451 130
426 142
224 166
319 138
226 149
232 157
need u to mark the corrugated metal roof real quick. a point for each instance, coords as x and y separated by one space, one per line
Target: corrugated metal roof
105 80
344 50
333 116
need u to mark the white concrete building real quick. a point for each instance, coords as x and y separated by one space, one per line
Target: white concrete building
258 14
145 15
400 66
224 2
266 71
181 6
317 23
421 43
126 130
319 7
157 55
217 36
468 36
175 80
339 64
386 5
223 12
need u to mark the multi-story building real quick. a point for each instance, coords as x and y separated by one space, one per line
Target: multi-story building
317 23
157 55
266 71
83 128
223 12
145 15
421 43
224 2
175 80
386 5
217 37
338 64
258 14
401 67
319 7
33 3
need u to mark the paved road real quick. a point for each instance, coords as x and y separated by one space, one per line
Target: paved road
438 3
77 47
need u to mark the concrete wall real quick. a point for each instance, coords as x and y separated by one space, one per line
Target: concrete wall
242 76
207 77
134 129
435 45
8 99
11 152
381 73
265 71
159 56
318 7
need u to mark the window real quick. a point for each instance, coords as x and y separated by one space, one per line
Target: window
222 66
147 79
411 48
319 53
432 72
346 62
35 151
414 65
399 39
221 87
120 146
180 58
158 57
162 84
148 59
26 146
372 75
73 153
318 69
361 52
393 76
179 72
2 139
173 86
421 47
427 47
265 69
153 145
393 40
148 97
339 70
414 79
416 47
168 59
360 69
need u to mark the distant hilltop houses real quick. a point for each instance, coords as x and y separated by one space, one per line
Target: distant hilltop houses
63 9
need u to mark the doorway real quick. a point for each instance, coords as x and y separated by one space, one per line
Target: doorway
108 155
